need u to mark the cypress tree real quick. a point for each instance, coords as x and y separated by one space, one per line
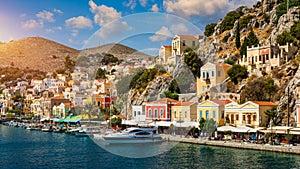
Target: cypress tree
237 36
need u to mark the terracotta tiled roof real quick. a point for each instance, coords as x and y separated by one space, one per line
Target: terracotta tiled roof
168 46
183 104
222 64
187 36
262 103
165 100
222 102
121 116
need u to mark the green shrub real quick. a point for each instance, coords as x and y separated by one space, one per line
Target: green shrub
282 8
237 73
295 30
245 20
285 38
209 29
229 19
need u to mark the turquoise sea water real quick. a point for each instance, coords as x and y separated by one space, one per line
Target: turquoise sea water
20 148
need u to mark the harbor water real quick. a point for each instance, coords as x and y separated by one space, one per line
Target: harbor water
20 148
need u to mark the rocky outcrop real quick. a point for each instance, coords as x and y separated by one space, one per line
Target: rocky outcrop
285 22
152 92
289 99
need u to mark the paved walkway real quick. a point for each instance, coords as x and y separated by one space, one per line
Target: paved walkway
284 148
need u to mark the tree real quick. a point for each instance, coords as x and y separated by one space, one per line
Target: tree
237 36
271 115
115 121
201 124
100 74
285 38
210 126
171 95
229 61
295 29
192 60
237 73
209 29
229 19
259 89
250 40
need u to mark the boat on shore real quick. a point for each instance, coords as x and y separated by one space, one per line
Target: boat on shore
133 135
87 131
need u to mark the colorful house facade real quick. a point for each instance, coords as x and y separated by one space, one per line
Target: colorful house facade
159 110
212 109
182 42
211 74
184 112
251 113
164 53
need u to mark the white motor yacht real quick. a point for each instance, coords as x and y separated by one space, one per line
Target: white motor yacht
133 135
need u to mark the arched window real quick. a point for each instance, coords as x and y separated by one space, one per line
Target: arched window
149 113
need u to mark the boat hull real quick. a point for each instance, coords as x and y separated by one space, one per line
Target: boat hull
132 140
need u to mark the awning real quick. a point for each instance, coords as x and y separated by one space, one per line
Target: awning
242 129
225 128
187 124
256 129
129 122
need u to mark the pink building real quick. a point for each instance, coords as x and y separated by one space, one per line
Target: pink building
159 109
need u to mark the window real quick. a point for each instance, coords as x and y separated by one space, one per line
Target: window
237 117
207 114
203 74
254 117
212 73
155 113
149 113
193 43
161 113
222 114
139 113
183 43
200 113
203 88
244 117
214 114
134 114
175 116
185 114
219 73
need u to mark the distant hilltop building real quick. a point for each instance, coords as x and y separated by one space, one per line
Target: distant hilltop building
264 58
165 53
181 43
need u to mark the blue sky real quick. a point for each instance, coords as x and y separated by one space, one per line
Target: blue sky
141 24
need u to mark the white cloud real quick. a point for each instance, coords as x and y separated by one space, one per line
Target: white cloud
115 28
79 22
57 11
143 3
45 16
179 29
103 14
49 31
154 8
161 35
131 4
32 24
74 32
187 8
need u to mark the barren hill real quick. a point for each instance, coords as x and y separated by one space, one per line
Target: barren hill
118 50
35 53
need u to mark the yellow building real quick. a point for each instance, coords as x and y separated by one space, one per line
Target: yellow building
182 42
211 109
251 113
184 112
211 74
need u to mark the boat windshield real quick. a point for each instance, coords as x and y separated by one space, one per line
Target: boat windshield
143 133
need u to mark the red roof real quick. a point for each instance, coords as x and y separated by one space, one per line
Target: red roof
184 104
222 64
168 46
263 103
221 102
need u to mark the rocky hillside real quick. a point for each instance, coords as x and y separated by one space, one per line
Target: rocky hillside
118 50
35 53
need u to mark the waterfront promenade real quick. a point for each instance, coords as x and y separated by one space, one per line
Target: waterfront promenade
283 148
